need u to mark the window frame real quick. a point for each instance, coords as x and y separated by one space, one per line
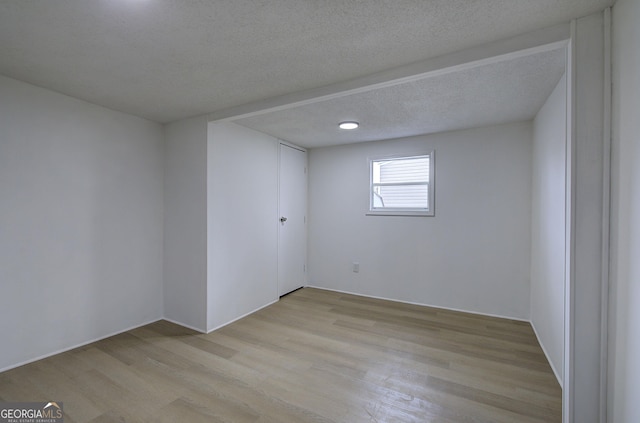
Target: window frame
388 211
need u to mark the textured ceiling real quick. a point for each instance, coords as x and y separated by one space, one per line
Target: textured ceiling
166 60
495 93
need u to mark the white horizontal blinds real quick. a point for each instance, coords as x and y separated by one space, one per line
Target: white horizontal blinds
401 183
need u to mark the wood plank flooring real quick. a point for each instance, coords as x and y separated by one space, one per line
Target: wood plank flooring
315 356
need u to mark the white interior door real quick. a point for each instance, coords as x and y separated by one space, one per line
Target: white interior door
292 236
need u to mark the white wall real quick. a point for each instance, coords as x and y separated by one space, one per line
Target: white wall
242 216
185 223
473 255
80 222
548 225
624 383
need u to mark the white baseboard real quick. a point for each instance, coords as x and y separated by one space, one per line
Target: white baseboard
243 316
546 354
555 371
175 322
73 347
420 304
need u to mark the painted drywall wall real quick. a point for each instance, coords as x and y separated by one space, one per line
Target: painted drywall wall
624 376
242 218
548 225
80 222
473 255
185 223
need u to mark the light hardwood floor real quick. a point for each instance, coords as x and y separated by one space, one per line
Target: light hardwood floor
315 356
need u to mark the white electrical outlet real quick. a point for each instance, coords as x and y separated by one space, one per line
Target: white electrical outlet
356 267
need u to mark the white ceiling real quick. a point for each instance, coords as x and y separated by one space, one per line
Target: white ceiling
495 93
170 59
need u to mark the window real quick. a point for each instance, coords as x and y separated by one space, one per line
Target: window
402 186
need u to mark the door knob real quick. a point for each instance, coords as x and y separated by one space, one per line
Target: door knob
283 219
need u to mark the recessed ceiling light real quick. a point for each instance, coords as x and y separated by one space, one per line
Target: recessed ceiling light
348 125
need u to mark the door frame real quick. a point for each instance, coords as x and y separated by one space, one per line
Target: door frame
587 243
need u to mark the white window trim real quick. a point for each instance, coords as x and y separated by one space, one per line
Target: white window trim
404 212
